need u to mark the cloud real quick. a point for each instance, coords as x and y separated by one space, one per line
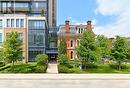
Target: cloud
118 8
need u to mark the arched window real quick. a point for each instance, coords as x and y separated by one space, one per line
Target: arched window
71 43
71 55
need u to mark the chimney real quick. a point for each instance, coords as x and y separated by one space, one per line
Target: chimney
67 26
89 25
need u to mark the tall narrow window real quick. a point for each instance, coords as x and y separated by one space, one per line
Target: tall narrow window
22 23
0 39
21 36
71 43
17 22
79 30
12 22
71 55
8 23
0 23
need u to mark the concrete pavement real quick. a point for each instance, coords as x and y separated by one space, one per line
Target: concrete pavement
64 81
52 68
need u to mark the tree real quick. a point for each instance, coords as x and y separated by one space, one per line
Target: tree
42 59
62 47
119 51
12 48
88 51
104 44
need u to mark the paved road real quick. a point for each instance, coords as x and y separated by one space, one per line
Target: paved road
64 81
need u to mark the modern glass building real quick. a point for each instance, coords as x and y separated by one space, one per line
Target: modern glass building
24 17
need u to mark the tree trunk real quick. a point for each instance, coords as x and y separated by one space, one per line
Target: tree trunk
13 66
119 65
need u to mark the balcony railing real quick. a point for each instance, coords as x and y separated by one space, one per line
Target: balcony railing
17 0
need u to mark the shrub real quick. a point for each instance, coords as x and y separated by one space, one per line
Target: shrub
115 66
75 70
65 69
2 64
90 66
41 59
40 69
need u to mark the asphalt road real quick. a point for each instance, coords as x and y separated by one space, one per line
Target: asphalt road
64 81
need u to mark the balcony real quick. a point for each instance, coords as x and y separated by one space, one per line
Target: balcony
18 0
17 9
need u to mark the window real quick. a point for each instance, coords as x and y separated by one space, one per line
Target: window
0 23
0 39
36 24
12 22
38 39
20 36
71 55
79 30
8 23
71 43
17 22
22 23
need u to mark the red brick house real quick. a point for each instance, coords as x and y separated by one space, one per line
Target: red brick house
72 35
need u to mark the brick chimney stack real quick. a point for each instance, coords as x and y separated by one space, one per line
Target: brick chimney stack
89 25
67 26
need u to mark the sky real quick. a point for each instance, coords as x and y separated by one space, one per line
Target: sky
109 17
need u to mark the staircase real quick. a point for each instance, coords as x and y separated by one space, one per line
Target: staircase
52 68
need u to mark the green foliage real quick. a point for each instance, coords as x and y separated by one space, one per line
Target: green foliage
62 47
119 51
90 65
115 66
128 55
12 48
63 60
40 69
23 68
42 12
2 64
104 44
65 69
88 51
42 59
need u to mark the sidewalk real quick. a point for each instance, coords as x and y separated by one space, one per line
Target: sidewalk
64 81
52 68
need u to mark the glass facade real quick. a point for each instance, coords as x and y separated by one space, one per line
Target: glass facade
36 24
20 36
17 22
12 22
8 23
21 5
36 38
38 6
9 6
22 23
0 39
1 23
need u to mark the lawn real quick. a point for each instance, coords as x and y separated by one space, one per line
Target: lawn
23 68
101 69
105 68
